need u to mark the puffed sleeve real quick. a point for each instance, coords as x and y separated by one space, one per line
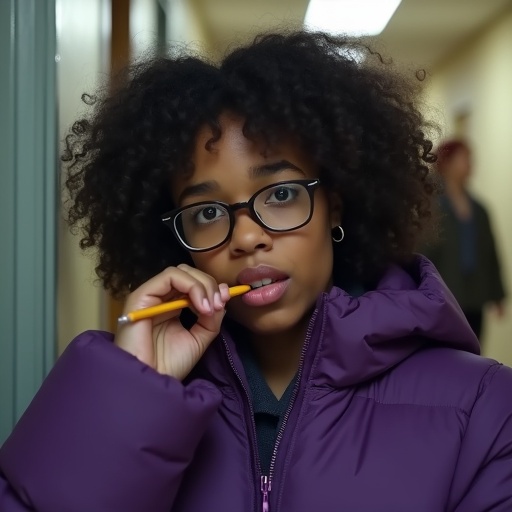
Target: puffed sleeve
104 433
483 479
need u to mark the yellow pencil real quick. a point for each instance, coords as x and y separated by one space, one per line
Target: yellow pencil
141 314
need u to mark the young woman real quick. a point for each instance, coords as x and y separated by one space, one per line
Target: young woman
346 379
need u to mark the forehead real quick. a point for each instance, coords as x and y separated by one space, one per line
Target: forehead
232 144
233 155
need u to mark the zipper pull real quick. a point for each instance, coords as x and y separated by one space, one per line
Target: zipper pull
266 487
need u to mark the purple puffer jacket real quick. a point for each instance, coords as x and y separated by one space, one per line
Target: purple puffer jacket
393 412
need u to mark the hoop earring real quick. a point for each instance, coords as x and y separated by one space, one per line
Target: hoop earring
341 234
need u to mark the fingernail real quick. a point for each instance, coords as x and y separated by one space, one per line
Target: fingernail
224 290
217 301
206 306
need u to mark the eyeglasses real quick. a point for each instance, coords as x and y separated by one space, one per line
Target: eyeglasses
278 207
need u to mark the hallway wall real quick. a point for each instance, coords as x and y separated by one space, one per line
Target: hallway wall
472 94
83 31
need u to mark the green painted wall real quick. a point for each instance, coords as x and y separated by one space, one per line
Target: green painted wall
28 202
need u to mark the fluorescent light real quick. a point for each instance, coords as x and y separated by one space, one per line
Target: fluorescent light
351 17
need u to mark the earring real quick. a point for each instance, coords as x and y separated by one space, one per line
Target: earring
340 235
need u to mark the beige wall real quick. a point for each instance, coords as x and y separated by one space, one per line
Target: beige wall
187 26
477 80
143 27
82 32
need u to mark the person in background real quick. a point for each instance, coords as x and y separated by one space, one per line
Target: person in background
465 252
347 379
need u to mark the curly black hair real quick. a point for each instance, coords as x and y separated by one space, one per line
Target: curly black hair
336 97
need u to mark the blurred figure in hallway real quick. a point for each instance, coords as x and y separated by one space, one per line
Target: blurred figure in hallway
465 253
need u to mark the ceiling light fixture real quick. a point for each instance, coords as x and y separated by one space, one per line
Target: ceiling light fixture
350 17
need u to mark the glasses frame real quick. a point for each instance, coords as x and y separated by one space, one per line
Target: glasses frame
169 218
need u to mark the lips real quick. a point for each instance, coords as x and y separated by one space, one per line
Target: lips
259 276
268 285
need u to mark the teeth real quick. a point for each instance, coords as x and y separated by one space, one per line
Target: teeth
259 284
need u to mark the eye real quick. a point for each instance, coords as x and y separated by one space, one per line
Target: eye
281 194
207 214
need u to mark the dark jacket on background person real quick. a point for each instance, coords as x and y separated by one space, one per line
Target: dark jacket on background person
466 257
392 411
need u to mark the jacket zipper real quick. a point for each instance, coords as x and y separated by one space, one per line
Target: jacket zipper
266 481
265 489
253 424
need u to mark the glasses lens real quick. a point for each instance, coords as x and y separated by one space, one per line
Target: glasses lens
284 206
203 225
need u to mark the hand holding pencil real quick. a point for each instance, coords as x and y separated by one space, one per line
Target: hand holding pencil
162 342
174 305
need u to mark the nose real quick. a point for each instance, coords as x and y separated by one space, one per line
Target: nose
248 236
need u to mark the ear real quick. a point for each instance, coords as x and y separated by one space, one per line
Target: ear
335 209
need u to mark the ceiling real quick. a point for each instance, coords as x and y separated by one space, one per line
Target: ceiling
427 31
421 32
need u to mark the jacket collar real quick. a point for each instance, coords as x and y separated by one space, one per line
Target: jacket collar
357 338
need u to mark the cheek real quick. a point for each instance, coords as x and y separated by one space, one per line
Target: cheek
202 261
312 253
321 253
319 247
214 263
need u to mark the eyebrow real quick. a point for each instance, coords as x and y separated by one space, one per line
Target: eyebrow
260 171
198 190
257 171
